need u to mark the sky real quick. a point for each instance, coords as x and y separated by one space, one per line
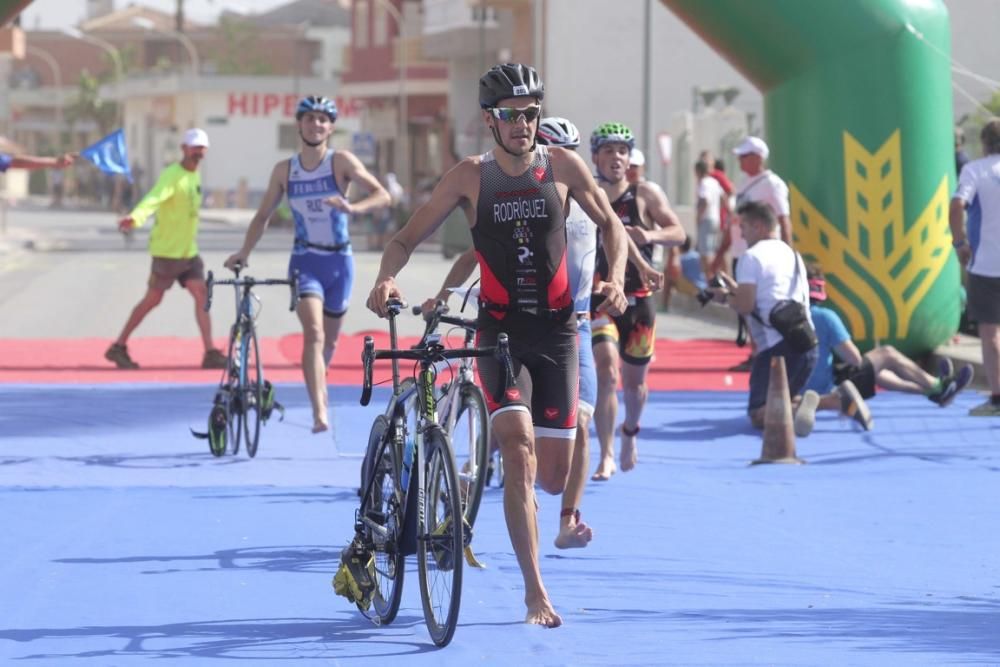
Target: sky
65 13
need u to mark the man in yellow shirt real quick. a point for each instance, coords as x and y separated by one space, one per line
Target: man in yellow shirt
176 200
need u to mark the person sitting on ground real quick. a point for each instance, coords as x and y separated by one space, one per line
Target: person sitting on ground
884 366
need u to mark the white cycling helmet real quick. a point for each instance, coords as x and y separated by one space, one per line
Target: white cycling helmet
556 131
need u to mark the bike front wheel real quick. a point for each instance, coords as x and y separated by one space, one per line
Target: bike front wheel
252 392
382 513
470 440
440 539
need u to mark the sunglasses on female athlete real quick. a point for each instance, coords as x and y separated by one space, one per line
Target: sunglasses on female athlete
513 114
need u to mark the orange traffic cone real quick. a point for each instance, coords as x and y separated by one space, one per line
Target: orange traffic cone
779 434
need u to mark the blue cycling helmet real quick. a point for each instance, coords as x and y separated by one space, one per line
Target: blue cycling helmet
317 103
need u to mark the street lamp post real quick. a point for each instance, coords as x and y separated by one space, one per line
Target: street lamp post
53 65
116 61
188 45
403 125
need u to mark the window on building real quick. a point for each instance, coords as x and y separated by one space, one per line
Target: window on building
288 137
380 31
361 24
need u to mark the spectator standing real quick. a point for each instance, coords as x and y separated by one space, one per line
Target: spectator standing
711 201
759 184
173 244
974 216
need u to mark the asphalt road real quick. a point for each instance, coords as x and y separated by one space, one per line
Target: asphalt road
70 274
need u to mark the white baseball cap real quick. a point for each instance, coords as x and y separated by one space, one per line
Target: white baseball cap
636 158
195 137
752 145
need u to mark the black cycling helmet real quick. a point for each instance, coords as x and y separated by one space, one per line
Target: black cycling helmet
509 80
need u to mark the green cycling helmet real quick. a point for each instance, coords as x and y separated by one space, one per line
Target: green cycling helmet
611 133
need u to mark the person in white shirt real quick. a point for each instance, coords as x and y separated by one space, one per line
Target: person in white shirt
759 184
976 238
711 202
769 272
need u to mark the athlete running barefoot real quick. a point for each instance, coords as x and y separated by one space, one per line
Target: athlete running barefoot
516 196
630 338
314 181
581 252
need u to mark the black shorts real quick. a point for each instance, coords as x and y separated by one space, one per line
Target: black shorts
984 299
546 370
863 377
634 331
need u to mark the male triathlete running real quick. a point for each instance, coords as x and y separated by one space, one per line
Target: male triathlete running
581 254
629 338
517 196
314 181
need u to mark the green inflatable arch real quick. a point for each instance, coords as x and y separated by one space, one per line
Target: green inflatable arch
858 109
10 8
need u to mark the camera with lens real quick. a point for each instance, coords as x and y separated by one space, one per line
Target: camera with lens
705 295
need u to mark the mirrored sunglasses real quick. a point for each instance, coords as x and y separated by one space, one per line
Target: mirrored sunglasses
513 114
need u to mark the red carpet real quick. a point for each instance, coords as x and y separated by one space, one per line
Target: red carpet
679 365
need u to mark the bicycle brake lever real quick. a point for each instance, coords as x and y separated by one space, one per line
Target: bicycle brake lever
367 359
208 289
503 354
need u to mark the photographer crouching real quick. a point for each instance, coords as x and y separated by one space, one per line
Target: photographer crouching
771 289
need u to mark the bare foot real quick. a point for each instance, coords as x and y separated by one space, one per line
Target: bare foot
605 469
542 613
575 535
319 426
630 455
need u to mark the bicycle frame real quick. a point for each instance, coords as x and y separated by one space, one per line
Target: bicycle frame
464 374
235 392
405 522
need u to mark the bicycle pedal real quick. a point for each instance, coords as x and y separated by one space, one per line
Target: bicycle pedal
471 559
355 578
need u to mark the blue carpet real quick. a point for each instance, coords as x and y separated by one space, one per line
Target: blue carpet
123 540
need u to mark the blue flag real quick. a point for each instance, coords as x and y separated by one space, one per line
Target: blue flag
110 155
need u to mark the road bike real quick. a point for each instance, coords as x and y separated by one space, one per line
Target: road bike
244 399
410 494
462 412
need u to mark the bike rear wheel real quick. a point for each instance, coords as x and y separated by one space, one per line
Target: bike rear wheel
470 440
234 411
382 506
440 538
252 390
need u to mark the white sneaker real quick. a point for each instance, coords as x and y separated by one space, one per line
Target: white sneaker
805 414
852 405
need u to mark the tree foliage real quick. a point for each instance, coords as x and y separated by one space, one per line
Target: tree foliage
88 105
240 53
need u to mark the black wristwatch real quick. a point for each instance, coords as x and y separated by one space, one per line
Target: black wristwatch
959 244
